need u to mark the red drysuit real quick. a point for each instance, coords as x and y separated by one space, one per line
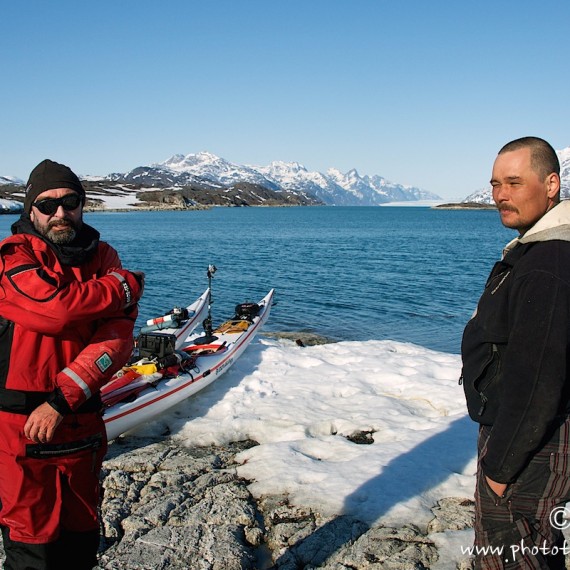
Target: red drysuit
65 327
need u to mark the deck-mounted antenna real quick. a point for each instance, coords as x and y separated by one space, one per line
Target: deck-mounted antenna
207 323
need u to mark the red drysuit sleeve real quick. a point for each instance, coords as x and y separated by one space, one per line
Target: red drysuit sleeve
94 366
46 301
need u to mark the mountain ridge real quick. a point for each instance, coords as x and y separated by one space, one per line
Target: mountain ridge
332 187
291 182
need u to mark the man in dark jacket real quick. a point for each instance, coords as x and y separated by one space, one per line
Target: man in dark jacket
516 368
67 311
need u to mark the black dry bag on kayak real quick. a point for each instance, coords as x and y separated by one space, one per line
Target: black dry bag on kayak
246 311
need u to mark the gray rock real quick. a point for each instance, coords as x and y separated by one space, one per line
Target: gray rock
386 548
169 507
299 538
452 513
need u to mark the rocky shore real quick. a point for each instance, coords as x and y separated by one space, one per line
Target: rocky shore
167 507
171 507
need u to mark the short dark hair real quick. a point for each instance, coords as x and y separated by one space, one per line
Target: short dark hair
543 158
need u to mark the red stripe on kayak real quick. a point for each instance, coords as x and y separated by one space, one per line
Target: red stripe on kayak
175 390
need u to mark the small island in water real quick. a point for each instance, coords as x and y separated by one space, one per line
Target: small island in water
466 206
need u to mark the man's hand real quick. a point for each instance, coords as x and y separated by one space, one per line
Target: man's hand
497 488
42 423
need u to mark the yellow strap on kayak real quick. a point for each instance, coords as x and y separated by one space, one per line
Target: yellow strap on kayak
144 369
233 327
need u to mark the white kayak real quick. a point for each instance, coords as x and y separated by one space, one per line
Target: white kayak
204 359
193 316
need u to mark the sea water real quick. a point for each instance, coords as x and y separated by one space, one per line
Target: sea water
412 274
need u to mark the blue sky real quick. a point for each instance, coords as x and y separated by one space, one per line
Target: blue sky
421 92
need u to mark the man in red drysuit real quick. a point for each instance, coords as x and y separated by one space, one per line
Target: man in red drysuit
67 312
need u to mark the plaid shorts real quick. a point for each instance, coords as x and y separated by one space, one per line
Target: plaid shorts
521 530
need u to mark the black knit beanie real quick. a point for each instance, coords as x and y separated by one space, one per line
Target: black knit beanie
48 175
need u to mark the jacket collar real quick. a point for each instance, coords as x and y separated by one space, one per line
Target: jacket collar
554 225
80 250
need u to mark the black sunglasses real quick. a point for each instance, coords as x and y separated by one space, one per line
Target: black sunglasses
49 206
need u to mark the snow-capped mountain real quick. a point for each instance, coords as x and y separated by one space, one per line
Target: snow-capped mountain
481 196
484 195
296 178
376 189
7 205
334 187
564 158
214 169
160 177
207 171
11 180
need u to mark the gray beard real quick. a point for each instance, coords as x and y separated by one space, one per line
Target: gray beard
61 237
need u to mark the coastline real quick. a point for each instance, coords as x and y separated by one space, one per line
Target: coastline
176 208
465 206
166 506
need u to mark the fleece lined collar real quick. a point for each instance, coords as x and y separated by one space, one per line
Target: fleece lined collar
554 225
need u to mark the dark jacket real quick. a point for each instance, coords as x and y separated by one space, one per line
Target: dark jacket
516 347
